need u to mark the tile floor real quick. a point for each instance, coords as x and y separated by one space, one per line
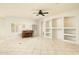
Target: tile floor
36 46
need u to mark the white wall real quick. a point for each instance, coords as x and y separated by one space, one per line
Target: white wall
39 27
60 32
5 25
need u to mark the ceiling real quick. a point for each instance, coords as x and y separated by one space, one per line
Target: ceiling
26 10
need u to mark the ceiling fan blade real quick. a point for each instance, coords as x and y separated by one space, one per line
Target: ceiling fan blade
40 12
45 13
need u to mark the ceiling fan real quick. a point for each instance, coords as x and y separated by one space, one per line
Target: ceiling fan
40 12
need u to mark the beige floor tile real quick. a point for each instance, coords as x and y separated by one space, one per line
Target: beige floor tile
37 46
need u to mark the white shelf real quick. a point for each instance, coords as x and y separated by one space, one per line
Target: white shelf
70 34
69 27
54 27
51 27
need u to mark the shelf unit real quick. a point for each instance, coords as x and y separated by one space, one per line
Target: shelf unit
62 28
70 28
53 28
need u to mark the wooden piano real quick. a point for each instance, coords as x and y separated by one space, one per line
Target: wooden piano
27 33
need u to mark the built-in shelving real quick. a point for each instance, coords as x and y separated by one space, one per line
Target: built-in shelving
64 28
69 29
53 27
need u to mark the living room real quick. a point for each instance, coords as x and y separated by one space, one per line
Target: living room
39 28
